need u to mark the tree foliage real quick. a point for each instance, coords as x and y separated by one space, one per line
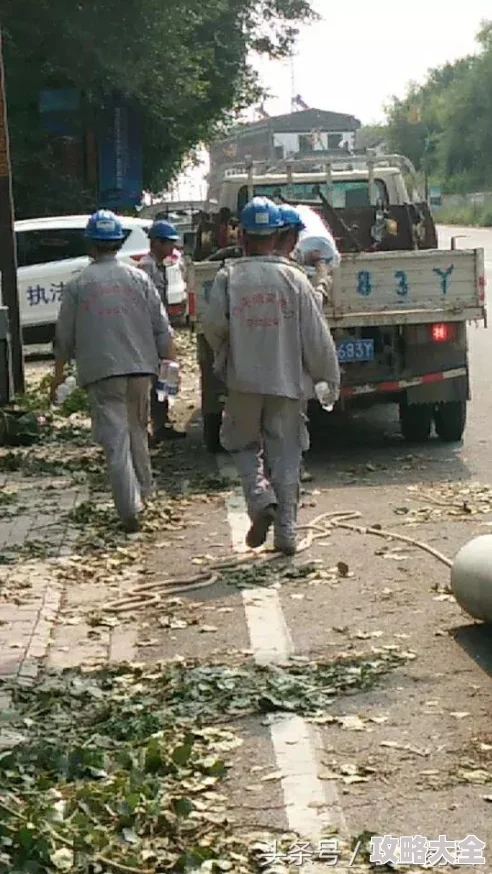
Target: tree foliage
185 65
445 125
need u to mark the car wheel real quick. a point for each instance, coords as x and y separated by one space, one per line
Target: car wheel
450 421
415 421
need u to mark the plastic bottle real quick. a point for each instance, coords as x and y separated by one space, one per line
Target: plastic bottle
168 381
323 393
65 389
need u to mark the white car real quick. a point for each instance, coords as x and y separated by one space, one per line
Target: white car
50 252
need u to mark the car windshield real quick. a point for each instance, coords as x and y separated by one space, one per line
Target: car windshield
352 193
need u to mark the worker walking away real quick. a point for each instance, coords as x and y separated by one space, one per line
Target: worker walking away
163 238
267 335
321 278
112 322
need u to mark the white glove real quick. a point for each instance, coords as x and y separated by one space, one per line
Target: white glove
328 394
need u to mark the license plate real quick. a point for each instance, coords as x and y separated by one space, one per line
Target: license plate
355 350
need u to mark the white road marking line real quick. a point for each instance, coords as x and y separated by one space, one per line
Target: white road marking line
236 509
310 804
268 631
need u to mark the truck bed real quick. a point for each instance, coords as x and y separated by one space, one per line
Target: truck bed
408 287
391 288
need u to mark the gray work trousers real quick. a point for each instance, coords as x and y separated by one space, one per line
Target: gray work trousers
120 413
265 433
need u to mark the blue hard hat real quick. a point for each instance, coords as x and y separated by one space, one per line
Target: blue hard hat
290 217
103 225
261 216
162 230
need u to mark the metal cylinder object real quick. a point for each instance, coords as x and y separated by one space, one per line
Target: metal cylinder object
471 578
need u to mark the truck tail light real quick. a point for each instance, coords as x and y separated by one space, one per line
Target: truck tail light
443 332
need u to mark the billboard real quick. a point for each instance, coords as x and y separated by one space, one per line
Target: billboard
119 156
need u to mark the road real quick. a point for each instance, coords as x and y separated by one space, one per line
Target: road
403 746
411 756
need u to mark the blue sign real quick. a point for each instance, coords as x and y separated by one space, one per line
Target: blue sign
355 350
59 110
59 100
120 156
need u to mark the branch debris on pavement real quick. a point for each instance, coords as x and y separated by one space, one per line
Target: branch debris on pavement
120 769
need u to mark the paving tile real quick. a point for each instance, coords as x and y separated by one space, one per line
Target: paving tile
29 670
9 665
123 644
71 646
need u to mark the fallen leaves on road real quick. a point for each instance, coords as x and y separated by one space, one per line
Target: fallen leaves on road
407 748
449 500
477 775
348 773
121 766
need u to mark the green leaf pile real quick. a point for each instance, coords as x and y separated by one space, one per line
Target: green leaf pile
118 770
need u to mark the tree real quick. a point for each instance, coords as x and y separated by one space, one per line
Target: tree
446 123
187 68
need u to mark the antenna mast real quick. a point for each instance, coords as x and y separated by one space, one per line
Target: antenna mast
293 92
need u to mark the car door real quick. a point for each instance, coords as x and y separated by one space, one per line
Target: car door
47 259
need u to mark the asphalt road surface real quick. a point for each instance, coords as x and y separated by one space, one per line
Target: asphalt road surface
411 756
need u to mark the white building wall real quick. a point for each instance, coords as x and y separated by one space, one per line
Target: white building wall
290 142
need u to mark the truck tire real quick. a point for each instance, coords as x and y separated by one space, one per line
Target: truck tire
211 432
415 421
450 421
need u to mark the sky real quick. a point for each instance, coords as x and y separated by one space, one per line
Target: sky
363 52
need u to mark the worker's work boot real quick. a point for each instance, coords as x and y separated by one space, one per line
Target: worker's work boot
284 539
130 525
304 475
260 526
168 432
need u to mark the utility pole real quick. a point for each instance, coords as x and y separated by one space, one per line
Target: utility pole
8 256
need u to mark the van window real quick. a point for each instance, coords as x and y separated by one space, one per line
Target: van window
52 244
350 194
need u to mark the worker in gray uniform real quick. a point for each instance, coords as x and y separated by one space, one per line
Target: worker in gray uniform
113 323
321 281
268 337
163 238
312 258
